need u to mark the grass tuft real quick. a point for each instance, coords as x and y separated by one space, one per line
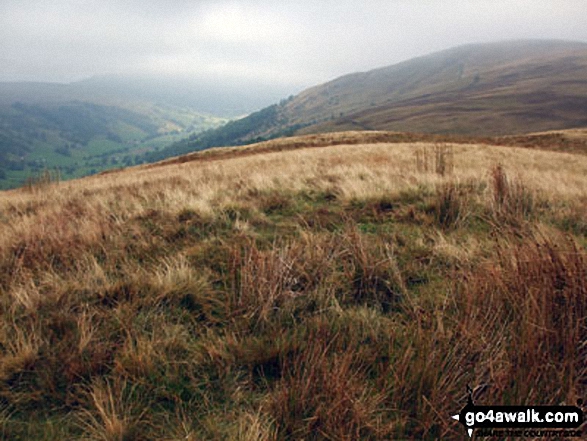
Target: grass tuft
512 201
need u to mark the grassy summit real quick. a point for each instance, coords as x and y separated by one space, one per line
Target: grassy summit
340 287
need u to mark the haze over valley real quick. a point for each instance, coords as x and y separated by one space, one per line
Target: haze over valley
493 89
107 122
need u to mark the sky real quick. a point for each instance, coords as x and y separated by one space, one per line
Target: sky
290 44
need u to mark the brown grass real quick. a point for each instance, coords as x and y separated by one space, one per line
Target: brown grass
536 289
325 395
511 199
340 292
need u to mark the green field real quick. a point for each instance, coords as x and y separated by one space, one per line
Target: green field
35 139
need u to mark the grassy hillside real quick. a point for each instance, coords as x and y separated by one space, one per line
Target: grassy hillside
571 141
83 137
476 90
488 89
334 287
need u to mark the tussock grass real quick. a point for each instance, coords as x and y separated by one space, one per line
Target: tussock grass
43 180
317 292
438 159
536 288
452 205
111 415
511 199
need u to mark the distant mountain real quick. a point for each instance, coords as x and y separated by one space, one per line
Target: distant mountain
225 99
480 89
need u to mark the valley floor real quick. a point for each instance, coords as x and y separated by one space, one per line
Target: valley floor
338 288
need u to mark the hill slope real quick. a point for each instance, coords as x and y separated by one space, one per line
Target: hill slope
327 293
484 89
491 89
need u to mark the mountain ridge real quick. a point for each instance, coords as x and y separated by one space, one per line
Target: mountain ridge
448 77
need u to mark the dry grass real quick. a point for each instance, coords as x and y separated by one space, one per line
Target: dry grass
112 416
339 292
511 199
325 395
535 287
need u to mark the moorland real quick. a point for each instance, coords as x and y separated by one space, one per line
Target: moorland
336 286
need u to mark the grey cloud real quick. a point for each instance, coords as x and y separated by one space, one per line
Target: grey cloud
299 43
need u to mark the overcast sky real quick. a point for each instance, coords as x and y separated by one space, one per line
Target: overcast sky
290 43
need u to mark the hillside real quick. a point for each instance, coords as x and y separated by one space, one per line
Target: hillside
80 138
490 89
571 141
337 286
477 90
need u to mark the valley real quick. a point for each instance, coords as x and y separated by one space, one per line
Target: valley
487 90
107 122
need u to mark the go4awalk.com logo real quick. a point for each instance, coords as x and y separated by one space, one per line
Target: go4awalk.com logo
521 421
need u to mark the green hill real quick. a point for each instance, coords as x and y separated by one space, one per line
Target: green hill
83 128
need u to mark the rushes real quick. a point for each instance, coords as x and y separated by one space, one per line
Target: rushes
444 159
536 291
43 180
324 395
438 159
511 199
263 280
373 271
344 269
452 205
